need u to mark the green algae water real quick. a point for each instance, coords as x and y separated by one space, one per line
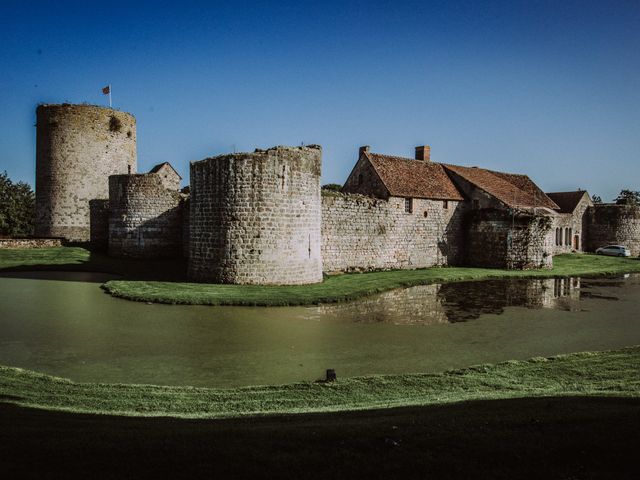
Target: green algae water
63 324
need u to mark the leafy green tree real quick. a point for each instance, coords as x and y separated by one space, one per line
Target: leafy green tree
334 187
596 199
628 197
17 207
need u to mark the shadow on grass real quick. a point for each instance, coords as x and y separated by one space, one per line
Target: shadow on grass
95 262
555 437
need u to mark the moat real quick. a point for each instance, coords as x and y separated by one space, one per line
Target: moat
63 324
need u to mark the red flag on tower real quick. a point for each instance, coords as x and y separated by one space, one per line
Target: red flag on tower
107 91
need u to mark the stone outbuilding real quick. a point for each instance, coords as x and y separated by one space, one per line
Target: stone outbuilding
395 213
451 215
570 224
168 175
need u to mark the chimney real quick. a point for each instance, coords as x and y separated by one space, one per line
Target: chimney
363 149
423 152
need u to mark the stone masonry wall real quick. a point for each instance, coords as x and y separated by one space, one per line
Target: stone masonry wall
145 218
77 148
577 222
99 224
498 239
614 224
30 242
364 233
255 217
185 206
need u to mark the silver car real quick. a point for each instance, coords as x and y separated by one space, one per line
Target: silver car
614 251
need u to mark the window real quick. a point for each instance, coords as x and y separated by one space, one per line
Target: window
408 205
445 204
567 238
557 236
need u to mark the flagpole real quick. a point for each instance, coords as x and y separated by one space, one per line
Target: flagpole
110 96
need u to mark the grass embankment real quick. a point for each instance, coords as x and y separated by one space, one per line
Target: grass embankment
612 373
346 287
164 281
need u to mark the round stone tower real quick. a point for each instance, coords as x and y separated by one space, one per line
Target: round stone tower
145 217
255 217
77 148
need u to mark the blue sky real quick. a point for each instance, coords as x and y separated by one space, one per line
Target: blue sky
550 89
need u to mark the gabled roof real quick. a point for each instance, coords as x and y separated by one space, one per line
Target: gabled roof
514 190
159 166
524 183
404 177
567 201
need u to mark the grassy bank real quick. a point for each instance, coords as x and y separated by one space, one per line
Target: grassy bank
351 286
612 373
164 282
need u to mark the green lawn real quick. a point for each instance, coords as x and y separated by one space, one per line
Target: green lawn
164 282
612 373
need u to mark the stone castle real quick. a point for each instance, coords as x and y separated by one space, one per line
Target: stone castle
262 217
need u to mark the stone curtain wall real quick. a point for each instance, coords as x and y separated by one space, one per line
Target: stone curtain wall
255 217
145 218
30 242
363 233
614 224
77 148
99 224
497 239
185 207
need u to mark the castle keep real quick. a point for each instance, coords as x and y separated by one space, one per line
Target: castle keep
77 148
262 218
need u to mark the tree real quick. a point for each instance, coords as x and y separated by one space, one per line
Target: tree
17 207
334 187
596 199
628 197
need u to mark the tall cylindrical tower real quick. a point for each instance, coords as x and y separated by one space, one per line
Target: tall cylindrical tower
77 148
255 217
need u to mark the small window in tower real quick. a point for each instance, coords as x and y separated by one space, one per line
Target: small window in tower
445 204
408 205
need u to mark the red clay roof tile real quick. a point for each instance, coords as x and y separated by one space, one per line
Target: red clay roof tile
514 190
404 177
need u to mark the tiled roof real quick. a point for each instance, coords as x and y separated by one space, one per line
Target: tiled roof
524 183
567 201
404 177
515 191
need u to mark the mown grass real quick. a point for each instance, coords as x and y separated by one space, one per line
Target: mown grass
164 281
595 373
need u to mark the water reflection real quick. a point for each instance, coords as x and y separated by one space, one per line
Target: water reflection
65 325
463 301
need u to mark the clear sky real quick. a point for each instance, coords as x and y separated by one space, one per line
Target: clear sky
550 89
